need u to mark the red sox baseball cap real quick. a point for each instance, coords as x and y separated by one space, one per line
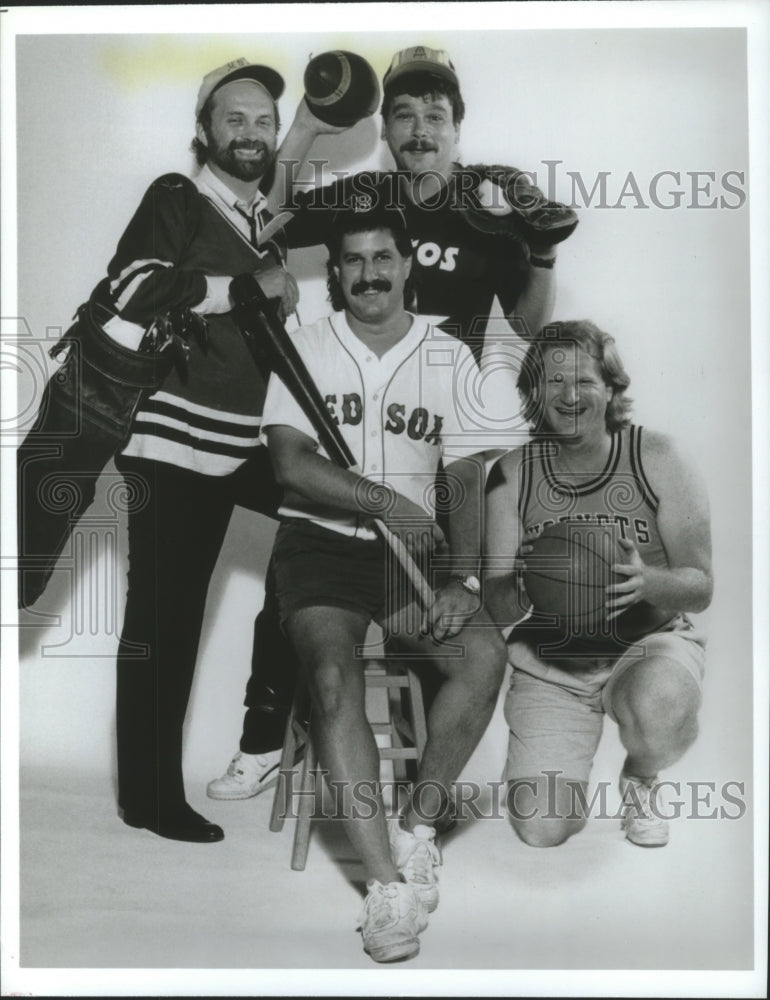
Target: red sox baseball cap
362 212
420 59
239 69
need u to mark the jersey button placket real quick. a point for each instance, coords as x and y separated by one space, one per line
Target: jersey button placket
373 432
375 423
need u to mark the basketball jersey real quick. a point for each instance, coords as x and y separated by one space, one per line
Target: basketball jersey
619 496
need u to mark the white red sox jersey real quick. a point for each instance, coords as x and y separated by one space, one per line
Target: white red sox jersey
399 414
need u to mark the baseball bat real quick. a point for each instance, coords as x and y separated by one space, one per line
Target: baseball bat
269 342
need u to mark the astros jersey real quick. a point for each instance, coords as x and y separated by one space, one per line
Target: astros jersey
458 270
399 414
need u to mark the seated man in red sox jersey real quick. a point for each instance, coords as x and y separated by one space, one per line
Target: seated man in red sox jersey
374 363
459 271
587 462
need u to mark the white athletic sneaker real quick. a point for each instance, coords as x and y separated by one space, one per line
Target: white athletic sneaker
417 856
642 827
247 774
392 917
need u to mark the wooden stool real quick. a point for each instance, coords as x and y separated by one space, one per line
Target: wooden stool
405 728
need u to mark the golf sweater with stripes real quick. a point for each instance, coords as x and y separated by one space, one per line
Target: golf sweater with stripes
181 249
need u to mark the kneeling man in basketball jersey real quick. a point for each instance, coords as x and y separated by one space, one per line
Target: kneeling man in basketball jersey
388 380
587 464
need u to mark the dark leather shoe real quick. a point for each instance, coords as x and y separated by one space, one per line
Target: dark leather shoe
187 825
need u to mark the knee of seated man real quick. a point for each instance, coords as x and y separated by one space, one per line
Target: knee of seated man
329 688
481 661
486 654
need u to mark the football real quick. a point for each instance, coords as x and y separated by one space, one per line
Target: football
341 88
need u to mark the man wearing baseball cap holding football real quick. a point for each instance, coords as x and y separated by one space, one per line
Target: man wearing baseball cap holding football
624 646
465 256
480 232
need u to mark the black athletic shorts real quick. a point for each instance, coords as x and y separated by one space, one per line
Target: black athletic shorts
316 566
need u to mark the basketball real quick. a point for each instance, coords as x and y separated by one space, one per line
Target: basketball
341 88
568 571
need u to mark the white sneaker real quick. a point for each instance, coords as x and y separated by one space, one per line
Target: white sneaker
642 827
247 774
392 917
417 857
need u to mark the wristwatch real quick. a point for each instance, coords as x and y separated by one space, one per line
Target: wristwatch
470 583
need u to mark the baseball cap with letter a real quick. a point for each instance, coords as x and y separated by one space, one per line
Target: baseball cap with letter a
420 59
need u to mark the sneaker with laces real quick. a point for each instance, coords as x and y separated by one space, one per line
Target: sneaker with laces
247 775
640 824
392 917
417 857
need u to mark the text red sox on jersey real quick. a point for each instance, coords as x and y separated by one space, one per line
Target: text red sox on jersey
420 425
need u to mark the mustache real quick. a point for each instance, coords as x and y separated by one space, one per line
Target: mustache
378 285
415 146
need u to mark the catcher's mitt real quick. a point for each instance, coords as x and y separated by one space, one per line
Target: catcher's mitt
505 202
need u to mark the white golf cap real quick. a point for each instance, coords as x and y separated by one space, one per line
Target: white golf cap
239 69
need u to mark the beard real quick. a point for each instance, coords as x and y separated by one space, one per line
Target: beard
244 170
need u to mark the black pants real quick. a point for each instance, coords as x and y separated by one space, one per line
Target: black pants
175 530
270 688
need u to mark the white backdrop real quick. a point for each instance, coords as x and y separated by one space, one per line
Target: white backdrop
99 116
